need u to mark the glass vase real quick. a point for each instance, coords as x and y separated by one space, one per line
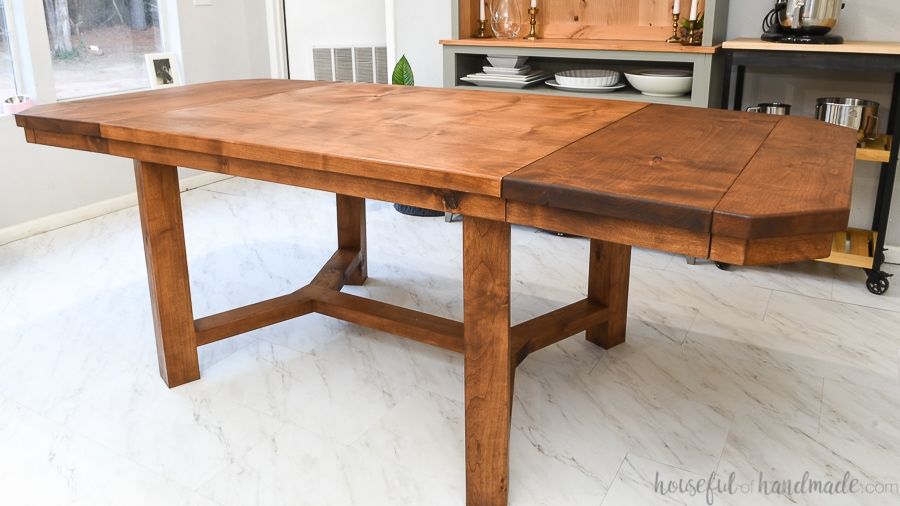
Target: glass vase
506 18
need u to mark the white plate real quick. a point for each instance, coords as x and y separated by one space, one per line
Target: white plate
505 71
537 74
594 89
505 81
524 77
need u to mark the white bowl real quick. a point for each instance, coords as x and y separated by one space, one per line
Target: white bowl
507 61
587 78
661 83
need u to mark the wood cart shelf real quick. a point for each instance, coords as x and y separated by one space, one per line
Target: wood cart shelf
854 247
857 248
878 150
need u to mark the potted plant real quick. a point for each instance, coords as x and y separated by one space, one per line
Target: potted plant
403 75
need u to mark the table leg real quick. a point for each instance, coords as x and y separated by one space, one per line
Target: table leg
489 368
159 200
351 224
608 274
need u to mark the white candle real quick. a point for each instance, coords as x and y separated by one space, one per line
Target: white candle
693 10
676 7
481 10
533 4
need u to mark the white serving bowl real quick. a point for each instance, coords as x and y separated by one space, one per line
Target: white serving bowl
507 61
661 83
587 78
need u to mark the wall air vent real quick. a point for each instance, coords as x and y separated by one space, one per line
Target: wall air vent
351 64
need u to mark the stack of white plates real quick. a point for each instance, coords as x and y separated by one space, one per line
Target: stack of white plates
507 77
507 71
515 81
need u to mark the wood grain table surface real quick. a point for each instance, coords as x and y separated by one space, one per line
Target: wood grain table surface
736 187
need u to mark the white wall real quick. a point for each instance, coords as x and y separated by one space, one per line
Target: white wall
418 26
43 187
225 40
37 181
314 23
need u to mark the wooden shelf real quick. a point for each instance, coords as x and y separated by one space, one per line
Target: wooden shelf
878 150
853 247
622 35
628 94
586 44
849 46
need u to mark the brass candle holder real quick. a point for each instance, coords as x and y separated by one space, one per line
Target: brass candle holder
532 35
481 34
674 37
694 36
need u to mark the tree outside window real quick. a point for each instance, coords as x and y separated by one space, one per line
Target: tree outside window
98 46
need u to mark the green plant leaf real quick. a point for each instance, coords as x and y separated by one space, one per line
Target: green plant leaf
697 25
403 73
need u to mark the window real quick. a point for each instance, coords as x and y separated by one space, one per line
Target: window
98 46
7 77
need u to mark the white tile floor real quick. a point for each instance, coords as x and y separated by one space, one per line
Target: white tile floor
767 373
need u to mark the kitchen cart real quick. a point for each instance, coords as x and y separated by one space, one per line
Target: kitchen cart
855 247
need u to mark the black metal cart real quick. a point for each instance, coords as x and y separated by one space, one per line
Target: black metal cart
860 248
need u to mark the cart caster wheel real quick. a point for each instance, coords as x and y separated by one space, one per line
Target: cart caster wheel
878 283
722 265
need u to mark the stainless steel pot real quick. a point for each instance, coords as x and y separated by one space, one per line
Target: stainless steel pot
809 17
860 115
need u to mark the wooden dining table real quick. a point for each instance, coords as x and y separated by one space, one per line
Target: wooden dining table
731 186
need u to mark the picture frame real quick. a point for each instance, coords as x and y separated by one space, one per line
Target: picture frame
162 69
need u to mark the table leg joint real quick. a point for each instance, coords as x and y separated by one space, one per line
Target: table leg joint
542 331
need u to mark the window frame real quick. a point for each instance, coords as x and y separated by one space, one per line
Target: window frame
12 41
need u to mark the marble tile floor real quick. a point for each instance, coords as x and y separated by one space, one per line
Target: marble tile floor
755 377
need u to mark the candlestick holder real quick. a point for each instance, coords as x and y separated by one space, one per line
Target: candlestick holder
674 37
481 34
532 35
694 35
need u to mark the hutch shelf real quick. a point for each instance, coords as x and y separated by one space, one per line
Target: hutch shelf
624 36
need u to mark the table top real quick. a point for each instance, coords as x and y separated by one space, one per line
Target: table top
464 141
848 46
742 174
712 171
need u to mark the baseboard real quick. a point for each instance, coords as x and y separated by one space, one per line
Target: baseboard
70 217
892 254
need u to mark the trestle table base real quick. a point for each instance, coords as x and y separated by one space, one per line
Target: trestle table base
492 347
